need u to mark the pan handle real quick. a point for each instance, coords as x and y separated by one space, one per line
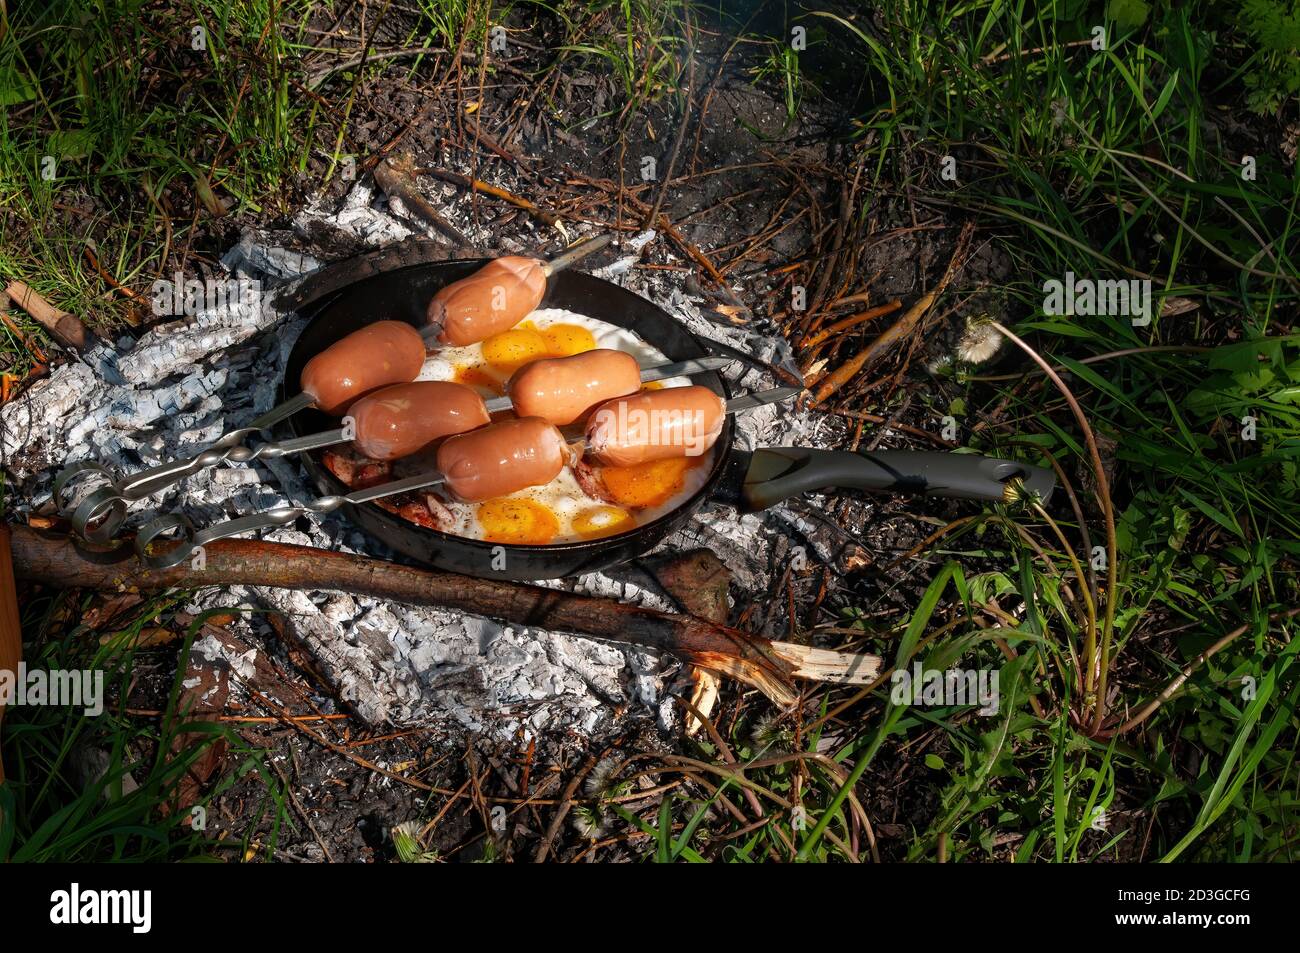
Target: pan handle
775 473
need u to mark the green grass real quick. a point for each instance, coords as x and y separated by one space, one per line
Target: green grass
1102 166
640 42
128 806
110 101
155 134
1108 164
781 67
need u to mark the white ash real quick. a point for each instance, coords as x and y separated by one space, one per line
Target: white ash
178 343
393 664
358 217
250 257
243 664
630 249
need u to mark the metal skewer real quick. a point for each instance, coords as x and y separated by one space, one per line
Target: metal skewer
328 504
575 254
277 516
101 514
761 398
330 438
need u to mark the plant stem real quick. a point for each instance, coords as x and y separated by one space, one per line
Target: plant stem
1108 512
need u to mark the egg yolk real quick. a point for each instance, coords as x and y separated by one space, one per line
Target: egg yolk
601 521
512 349
565 340
517 521
647 484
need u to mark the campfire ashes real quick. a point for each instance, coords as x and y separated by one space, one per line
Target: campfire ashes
185 383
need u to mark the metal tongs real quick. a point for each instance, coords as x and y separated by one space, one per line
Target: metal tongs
192 541
100 516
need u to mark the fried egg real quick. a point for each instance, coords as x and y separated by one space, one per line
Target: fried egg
560 511
517 521
547 332
650 484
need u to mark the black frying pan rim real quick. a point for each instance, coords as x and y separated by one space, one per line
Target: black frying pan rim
722 448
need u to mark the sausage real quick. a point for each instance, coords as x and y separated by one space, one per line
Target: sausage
655 425
502 458
383 353
563 389
493 299
403 419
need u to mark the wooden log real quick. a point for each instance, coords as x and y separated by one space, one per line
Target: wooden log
766 665
65 328
395 177
699 582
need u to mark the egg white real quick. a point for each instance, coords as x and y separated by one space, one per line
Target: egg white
563 497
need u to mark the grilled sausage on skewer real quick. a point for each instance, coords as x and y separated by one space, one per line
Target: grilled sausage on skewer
383 353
